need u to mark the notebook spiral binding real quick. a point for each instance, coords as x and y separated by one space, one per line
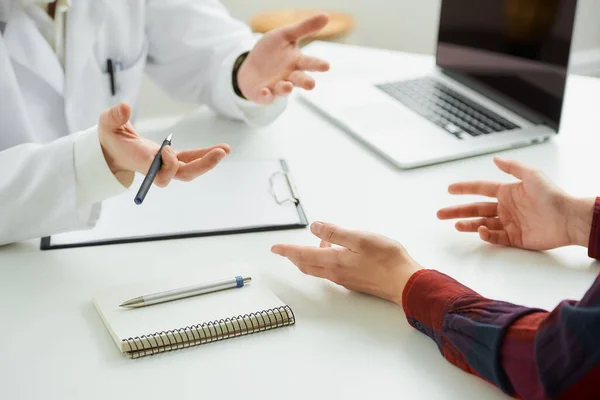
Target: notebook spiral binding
195 335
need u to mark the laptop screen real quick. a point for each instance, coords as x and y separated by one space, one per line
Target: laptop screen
513 51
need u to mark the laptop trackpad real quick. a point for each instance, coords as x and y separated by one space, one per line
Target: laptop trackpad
384 119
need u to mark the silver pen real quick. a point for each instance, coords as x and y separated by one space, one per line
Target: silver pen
188 291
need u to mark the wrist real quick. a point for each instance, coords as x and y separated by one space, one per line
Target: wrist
580 212
235 76
406 272
124 176
95 181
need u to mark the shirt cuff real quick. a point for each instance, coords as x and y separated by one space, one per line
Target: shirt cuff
95 181
594 243
427 296
260 115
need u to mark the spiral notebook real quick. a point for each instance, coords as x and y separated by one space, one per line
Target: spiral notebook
192 321
238 196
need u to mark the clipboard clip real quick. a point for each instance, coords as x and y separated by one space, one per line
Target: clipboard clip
290 182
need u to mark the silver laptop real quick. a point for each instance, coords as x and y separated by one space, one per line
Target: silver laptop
499 82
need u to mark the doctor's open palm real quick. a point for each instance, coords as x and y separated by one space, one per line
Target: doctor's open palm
126 152
276 65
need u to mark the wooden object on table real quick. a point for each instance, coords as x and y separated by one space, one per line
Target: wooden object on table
340 24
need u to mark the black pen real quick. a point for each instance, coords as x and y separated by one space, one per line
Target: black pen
154 168
111 75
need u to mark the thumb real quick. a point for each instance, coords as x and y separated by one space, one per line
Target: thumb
115 117
306 27
324 244
512 167
337 235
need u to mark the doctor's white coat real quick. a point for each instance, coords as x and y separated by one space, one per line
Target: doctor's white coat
188 48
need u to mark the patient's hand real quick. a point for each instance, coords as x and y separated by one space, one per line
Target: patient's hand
364 262
532 213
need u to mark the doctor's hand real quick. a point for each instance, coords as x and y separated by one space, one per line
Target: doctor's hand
363 262
126 152
532 213
276 64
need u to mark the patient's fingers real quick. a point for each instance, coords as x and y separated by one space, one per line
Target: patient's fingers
469 211
312 270
512 167
473 225
483 188
494 236
337 235
321 257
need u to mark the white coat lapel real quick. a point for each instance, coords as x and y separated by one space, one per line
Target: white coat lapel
83 22
26 46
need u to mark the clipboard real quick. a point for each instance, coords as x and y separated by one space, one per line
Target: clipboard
252 189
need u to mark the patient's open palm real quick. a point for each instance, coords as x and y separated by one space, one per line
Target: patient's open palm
529 214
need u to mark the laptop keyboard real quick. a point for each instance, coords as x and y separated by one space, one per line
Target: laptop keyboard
447 108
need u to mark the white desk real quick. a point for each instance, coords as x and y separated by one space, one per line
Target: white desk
344 345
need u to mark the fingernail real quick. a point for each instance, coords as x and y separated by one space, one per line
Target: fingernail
316 227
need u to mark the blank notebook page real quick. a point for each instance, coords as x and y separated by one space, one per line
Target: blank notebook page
125 323
236 194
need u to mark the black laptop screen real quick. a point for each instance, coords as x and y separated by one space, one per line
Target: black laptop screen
514 51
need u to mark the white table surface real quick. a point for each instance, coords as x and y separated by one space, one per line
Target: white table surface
53 345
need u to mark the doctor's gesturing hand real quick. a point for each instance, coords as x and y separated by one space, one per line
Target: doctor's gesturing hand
126 152
276 65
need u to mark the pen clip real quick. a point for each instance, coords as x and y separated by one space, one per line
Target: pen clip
290 182
117 69
110 70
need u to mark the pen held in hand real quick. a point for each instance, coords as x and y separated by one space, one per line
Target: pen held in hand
152 171
188 291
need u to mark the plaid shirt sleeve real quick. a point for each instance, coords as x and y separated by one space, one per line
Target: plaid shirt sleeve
528 353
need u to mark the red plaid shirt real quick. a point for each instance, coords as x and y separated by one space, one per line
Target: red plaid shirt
528 353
